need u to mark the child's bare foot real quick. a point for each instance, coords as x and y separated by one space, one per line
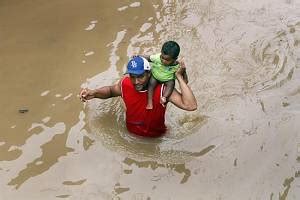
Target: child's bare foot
149 106
163 100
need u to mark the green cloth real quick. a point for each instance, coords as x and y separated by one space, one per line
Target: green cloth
162 72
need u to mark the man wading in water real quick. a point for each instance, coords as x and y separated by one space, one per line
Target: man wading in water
133 90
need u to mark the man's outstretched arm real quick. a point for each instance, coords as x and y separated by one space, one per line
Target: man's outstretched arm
101 93
186 99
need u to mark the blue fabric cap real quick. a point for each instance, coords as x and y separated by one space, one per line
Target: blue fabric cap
137 65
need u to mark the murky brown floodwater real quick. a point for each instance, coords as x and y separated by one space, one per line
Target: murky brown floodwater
243 60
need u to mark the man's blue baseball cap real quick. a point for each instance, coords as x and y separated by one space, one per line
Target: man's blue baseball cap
137 65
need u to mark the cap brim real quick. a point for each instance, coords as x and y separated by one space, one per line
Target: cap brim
136 72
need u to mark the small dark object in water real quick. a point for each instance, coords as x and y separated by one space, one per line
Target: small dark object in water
23 110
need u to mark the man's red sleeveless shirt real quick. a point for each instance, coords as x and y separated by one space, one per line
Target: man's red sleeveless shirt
149 123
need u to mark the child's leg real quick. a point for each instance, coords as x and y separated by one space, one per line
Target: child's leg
168 91
151 85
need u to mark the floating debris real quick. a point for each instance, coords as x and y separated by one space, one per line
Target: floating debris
23 110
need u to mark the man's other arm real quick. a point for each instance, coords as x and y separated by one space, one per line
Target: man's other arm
186 99
104 92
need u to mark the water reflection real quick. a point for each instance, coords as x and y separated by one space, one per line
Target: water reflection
33 150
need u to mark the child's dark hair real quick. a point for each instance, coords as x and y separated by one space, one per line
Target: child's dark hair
171 48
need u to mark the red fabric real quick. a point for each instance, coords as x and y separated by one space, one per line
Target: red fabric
149 123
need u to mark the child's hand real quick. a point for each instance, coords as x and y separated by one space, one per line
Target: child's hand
144 56
135 55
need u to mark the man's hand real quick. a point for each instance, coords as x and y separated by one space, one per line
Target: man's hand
182 72
86 94
104 92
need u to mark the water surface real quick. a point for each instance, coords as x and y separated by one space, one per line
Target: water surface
243 60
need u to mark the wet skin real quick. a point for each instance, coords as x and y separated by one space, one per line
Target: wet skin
140 82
